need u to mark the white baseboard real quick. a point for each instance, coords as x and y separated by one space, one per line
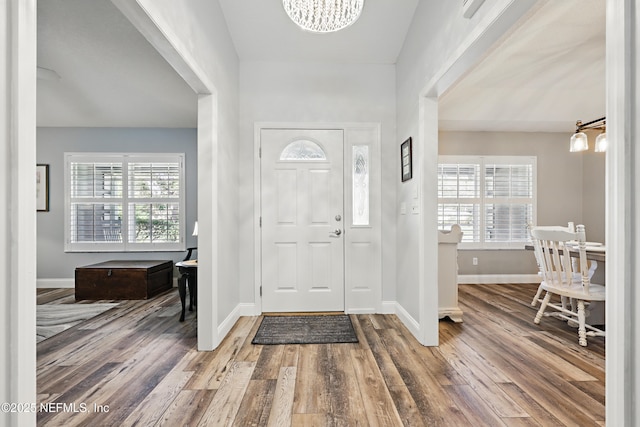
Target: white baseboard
55 283
453 313
501 279
227 324
362 311
251 309
248 309
69 283
407 320
388 307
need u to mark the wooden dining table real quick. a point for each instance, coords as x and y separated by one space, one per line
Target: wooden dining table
593 255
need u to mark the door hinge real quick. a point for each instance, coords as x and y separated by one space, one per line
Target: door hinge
260 222
261 291
259 152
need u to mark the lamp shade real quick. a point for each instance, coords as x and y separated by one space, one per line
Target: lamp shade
578 142
601 143
195 229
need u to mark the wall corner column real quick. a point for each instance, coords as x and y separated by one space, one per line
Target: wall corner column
622 214
428 241
18 216
208 255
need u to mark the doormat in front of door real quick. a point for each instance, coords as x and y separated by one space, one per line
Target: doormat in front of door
327 329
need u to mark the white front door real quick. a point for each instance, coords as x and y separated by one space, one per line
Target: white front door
302 220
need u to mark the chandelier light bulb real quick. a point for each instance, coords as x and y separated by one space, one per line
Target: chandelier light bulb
323 16
601 143
578 142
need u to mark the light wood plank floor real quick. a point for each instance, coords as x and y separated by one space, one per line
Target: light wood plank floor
137 365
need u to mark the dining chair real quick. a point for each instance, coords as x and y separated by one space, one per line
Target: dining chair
538 255
566 279
593 265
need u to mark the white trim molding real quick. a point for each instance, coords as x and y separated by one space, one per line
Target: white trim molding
388 307
249 309
499 279
622 213
407 320
225 326
56 283
18 44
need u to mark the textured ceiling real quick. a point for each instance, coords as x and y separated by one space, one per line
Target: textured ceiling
110 76
546 75
262 31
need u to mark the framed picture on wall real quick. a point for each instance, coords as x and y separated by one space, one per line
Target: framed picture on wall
405 157
42 188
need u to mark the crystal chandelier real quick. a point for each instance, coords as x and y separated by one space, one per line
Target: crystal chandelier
323 16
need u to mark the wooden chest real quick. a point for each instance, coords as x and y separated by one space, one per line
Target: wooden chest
119 280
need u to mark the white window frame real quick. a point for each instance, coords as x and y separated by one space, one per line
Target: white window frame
481 161
124 245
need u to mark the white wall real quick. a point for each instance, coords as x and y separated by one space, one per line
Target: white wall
193 37
52 143
440 46
594 185
17 232
435 37
17 216
316 93
570 187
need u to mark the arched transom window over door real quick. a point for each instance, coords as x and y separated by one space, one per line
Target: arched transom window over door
303 149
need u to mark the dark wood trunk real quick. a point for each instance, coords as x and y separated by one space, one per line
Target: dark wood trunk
123 280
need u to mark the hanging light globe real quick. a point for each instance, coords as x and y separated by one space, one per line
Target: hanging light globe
578 142
601 143
323 16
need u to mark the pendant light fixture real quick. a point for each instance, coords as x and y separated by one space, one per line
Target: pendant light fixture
601 142
323 16
579 140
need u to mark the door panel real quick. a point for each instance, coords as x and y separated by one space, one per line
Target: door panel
302 207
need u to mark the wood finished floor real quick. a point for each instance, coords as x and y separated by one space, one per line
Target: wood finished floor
495 369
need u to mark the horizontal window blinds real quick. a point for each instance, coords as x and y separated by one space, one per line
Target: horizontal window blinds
491 198
122 202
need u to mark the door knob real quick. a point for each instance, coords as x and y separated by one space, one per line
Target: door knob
335 233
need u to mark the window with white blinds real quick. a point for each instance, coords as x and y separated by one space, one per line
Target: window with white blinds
492 198
124 202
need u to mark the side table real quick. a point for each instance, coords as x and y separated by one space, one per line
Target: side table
188 276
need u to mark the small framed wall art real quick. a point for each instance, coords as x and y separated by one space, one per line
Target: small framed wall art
405 157
42 188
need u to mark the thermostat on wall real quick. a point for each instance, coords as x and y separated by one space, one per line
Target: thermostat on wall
469 7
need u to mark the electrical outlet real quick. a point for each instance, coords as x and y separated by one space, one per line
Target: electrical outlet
475 261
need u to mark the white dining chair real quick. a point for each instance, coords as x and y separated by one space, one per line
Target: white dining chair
566 279
593 265
538 255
